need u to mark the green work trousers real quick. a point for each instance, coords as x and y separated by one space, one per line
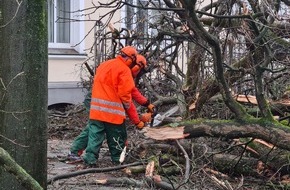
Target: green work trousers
81 141
116 137
87 101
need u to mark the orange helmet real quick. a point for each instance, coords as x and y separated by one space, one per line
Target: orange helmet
129 51
140 64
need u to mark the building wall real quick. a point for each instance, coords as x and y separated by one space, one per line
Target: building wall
65 66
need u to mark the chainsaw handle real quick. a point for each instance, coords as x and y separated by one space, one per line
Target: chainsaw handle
154 113
152 121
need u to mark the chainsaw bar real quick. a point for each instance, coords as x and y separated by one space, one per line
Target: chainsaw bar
160 117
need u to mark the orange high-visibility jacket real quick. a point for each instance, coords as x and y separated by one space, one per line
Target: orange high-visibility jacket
111 92
138 97
132 111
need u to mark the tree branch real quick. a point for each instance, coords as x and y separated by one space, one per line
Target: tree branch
9 165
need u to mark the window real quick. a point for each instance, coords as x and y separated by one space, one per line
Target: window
139 19
62 33
59 25
142 18
135 17
129 15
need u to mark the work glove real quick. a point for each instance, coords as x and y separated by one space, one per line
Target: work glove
150 108
146 117
140 125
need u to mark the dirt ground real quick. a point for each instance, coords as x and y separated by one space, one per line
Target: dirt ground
64 126
60 148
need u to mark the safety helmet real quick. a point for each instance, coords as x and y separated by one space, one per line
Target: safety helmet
140 64
131 52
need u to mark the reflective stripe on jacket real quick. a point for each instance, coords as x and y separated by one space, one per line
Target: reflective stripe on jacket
111 93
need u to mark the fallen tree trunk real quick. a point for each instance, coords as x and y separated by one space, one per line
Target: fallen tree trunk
272 133
241 165
237 165
274 160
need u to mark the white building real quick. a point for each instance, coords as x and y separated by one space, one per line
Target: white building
70 43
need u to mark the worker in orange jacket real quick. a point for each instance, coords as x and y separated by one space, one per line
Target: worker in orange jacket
111 98
139 98
80 142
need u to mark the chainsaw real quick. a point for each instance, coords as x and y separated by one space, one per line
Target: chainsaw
158 118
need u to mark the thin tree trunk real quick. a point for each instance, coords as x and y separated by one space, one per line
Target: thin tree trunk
23 88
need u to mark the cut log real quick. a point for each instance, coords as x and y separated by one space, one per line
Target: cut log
134 170
246 99
165 133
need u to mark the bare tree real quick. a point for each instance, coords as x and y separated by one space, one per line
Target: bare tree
235 47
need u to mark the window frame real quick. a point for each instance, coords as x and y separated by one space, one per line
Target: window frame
76 31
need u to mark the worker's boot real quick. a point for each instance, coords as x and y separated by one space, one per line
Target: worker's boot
74 157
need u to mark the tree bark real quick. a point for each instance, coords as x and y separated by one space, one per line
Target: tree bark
23 88
236 165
